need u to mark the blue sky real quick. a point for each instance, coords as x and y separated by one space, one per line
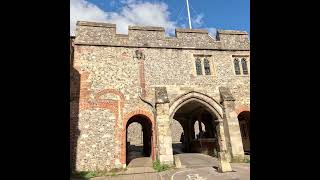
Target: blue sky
207 14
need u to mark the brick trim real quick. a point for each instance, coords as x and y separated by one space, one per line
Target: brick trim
240 109
85 102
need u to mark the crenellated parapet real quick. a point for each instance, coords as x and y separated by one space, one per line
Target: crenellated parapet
104 34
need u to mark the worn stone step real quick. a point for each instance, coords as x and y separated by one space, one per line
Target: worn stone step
139 170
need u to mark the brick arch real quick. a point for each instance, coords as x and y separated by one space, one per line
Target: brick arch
240 109
126 118
98 95
206 100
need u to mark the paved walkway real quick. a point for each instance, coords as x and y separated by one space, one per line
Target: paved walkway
195 160
140 162
140 165
240 172
196 167
143 176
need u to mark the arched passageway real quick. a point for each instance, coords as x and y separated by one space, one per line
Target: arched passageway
138 138
199 128
177 135
244 122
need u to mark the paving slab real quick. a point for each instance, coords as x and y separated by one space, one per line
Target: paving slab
138 173
140 162
208 173
198 166
142 176
138 170
139 166
195 160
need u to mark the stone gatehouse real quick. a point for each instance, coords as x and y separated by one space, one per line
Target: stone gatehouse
157 94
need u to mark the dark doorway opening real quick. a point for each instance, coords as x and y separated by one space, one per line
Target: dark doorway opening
136 147
244 123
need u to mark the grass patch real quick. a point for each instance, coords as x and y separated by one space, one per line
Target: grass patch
86 174
241 160
160 167
92 174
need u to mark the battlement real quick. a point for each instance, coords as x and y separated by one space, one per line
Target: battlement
232 32
104 34
146 28
95 24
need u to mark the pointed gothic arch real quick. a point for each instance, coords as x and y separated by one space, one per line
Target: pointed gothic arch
210 103
195 106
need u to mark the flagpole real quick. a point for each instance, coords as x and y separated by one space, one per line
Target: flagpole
189 14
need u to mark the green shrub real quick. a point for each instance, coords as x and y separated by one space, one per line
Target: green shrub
92 174
160 167
85 174
241 160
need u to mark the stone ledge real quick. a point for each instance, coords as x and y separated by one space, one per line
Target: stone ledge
122 35
203 31
160 47
95 24
232 32
146 28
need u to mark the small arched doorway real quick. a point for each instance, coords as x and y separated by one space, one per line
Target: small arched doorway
142 147
199 128
244 122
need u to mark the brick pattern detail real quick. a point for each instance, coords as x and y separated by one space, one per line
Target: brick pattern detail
85 85
142 77
113 105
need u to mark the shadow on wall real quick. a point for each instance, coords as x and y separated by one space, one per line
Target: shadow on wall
74 110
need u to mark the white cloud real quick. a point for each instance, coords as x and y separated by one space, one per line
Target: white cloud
197 21
85 11
133 12
128 1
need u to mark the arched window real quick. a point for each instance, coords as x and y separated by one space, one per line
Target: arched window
207 67
198 66
244 66
236 66
197 132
